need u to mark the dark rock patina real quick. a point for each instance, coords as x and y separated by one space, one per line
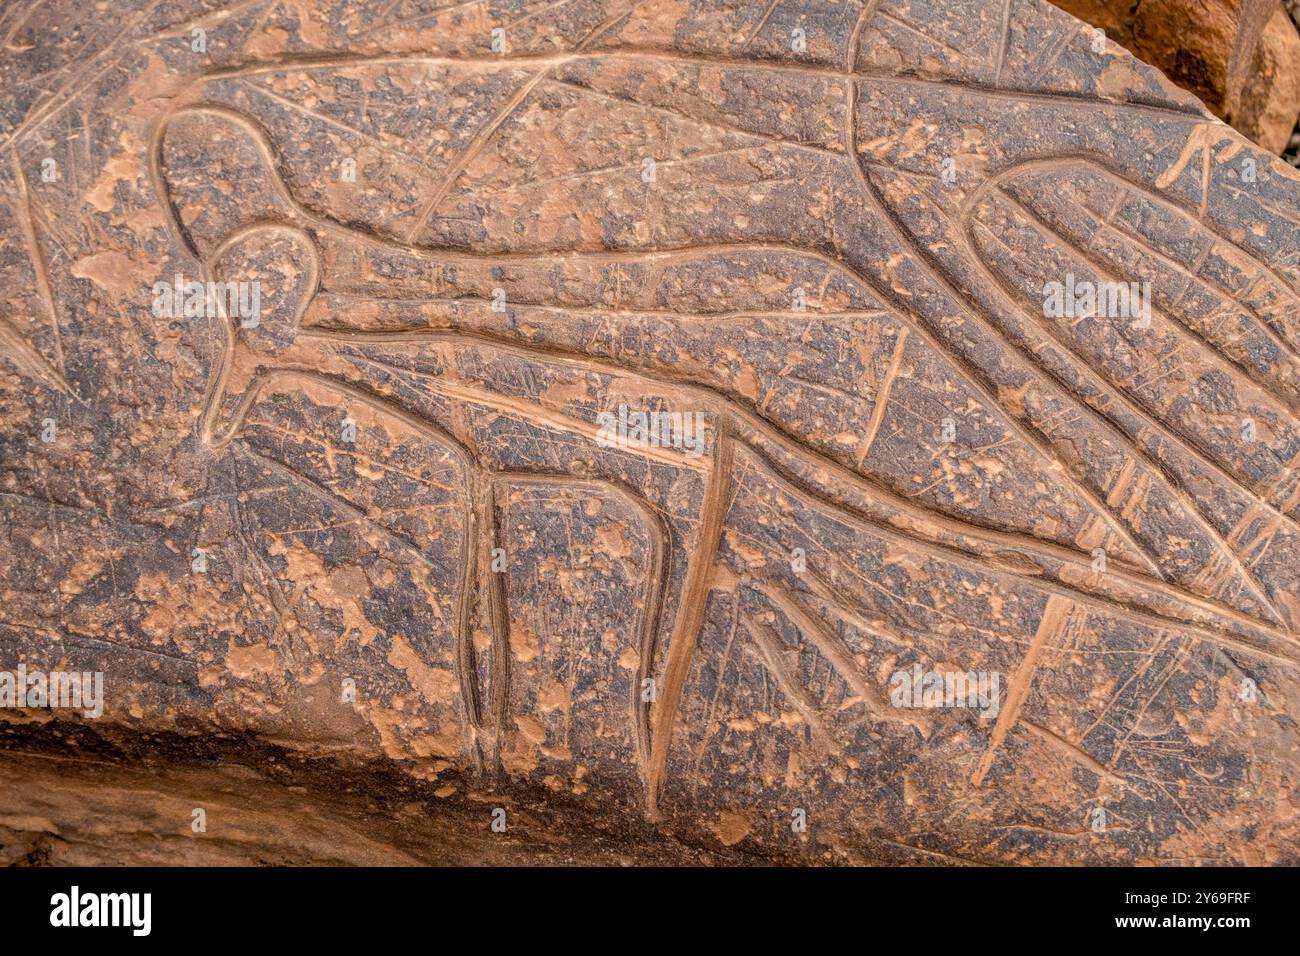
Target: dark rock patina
377 551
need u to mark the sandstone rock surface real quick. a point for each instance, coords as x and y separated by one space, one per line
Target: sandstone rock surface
370 536
1269 106
1241 57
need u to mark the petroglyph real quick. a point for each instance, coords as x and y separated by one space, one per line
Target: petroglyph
385 518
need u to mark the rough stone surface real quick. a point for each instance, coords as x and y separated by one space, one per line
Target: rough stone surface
1241 57
1270 101
825 228
1291 154
1203 45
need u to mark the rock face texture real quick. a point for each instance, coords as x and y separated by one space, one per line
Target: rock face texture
812 432
1269 106
1240 57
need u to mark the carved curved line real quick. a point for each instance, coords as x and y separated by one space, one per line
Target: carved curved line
1189 447
30 358
659 575
1026 432
966 243
217 385
1248 634
261 140
839 482
493 591
1171 203
1056 98
671 56
1264 325
1180 327
854 47
690 615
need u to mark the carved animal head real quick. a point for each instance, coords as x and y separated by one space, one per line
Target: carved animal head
257 267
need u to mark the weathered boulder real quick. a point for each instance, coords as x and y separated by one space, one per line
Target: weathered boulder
1241 57
806 431
1269 104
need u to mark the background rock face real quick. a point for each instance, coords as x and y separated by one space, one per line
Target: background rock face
1241 57
1270 100
371 533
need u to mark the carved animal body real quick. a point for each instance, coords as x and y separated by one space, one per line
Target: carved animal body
907 464
430 372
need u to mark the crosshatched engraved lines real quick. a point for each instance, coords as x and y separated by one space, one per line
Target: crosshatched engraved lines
611 535
796 484
831 648
79 79
469 257
1185 448
382 521
663 259
1213 427
1071 644
407 329
1125 430
1125 240
1057 615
